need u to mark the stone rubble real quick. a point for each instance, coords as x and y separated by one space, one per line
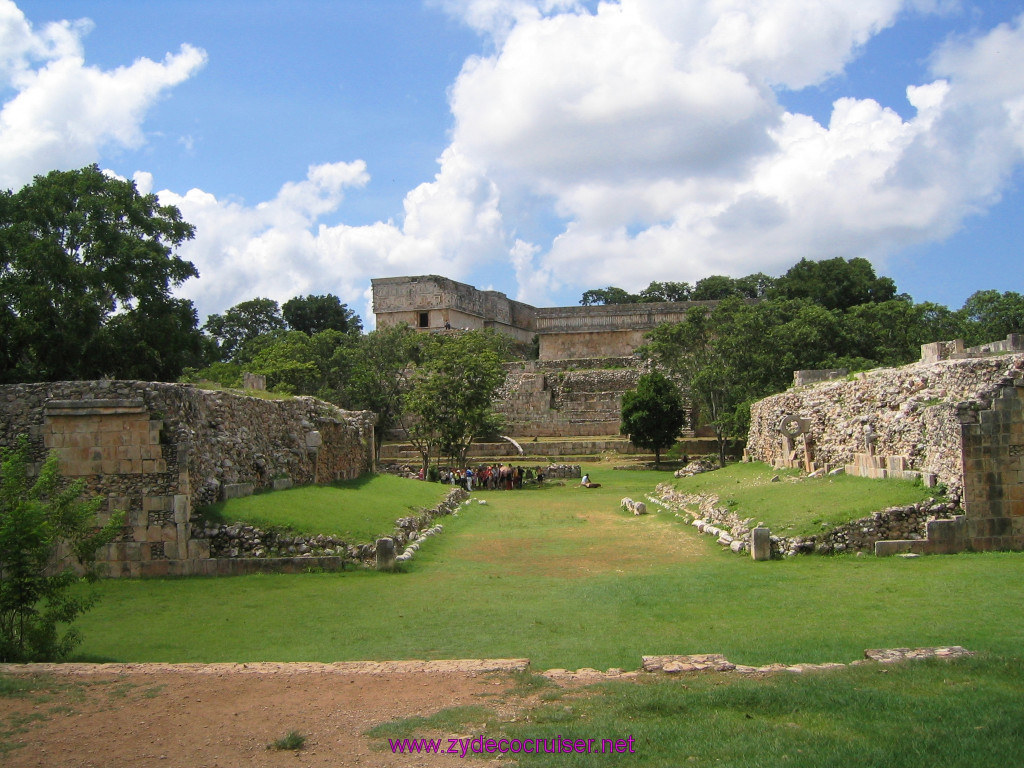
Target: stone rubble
733 530
240 540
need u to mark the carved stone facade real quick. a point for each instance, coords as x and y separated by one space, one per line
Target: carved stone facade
158 451
429 302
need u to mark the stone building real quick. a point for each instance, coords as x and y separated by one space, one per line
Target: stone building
955 418
429 302
159 451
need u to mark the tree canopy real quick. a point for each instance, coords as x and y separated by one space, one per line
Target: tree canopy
653 414
86 269
448 401
313 314
242 323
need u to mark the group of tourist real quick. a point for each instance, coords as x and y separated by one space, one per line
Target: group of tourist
497 477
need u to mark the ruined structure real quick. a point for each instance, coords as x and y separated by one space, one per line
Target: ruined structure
955 418
158 451
586 354
430 302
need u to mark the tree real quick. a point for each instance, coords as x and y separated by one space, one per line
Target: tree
609 295
80 250
835 283
992 315
39 522
448 402
667 291
313 314
715 288
304 365
243 323
378 367
653 414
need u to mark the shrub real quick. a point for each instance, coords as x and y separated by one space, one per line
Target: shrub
45 529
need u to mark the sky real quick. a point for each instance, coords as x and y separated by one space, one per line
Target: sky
538 147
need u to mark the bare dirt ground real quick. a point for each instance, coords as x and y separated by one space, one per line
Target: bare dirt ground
225 715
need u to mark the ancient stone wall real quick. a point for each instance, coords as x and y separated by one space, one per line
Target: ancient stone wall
555 402
955 421
603 330
428 302
158 451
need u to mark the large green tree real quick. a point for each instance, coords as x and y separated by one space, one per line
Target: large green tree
313 314
835 283
86 268
991 315
379 365
653 414
448 402
242 324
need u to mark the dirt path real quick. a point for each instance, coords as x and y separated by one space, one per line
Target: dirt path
225 715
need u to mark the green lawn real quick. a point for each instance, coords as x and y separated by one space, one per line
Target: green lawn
355 510
797 505
560 575
967 713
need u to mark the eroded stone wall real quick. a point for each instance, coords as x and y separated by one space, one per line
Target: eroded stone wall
958 422
541 401
158 451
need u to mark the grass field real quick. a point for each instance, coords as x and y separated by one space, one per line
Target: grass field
964 714
797 505
356 510
560 575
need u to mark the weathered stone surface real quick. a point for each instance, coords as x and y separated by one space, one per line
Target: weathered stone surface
761 544
959 422
385 549
714 519
157 452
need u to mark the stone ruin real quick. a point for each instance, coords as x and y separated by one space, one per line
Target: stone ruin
157 452
956 419
434 303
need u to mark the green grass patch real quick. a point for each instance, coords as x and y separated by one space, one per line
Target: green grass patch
965 713
797 505
562 576
293 740
355 510
450 720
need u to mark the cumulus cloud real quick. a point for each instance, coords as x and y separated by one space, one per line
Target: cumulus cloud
64 112
655 130
651 129
280 248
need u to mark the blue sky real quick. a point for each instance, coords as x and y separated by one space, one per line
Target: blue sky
538 148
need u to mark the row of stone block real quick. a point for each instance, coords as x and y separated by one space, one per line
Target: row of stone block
112 555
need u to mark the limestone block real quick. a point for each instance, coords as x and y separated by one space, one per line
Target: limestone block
180 504
198 548
947 536
157 503
760 544
904 546
236 490
385 554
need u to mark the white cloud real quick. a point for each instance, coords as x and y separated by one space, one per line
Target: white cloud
653 128
63 111
279 248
